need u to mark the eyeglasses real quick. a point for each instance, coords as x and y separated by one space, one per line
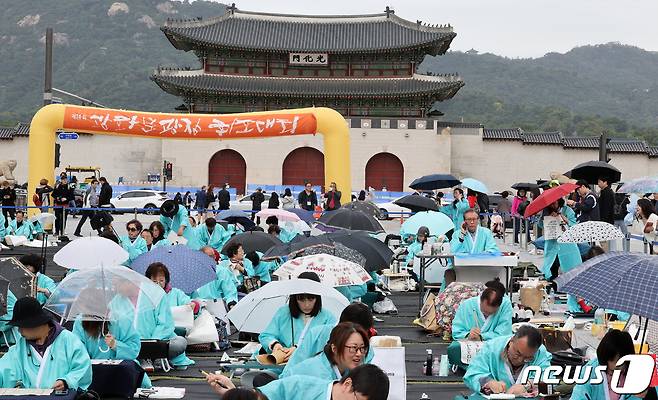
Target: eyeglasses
132 229
356 349
517 355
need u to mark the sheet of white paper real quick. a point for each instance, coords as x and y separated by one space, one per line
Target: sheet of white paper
25 392
469 349
105 362
552 227
249 348
160 393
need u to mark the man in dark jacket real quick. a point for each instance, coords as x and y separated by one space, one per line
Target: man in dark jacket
62 196
224 198
588 207
606 201
307 199
8 197
106 193
257 199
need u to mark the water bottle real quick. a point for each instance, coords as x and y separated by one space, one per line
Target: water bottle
599 316
445 366
428 363
516 311
436 366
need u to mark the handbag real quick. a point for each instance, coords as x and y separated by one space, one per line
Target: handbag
556 340
251 284
183 317
204 330
428 317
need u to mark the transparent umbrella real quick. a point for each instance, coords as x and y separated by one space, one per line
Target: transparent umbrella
89 293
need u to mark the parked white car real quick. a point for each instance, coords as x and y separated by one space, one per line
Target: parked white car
244 203
140 199
389 210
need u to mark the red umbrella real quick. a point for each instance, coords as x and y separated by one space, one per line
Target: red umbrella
548 197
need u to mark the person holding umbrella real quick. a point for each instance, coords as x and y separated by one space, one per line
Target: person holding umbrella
560 256
519 203
292 322
45 355
588 208
222 288
456 209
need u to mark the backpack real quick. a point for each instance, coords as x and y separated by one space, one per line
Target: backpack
521 209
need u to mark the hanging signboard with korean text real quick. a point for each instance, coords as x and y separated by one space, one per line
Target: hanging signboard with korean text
308 59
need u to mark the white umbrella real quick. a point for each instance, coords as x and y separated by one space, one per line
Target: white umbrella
333 271
89 292
590 232
255 311
90 252
298 227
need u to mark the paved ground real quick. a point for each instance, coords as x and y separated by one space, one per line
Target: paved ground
414 339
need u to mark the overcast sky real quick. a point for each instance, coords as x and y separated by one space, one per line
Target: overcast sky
513 28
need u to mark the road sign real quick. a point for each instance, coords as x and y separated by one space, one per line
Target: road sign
67 136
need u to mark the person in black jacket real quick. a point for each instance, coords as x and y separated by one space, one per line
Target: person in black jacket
332 198
274 200
588 206
62 196
257 199
224 198
8 197
307 199
606 201
106 193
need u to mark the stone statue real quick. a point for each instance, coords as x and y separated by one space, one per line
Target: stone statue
7 171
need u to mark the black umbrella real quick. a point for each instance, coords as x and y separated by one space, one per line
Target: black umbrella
4 288
253 241
591 171
434 181
417 203
527 186
351 219
296 245
22 282
366 207
378 255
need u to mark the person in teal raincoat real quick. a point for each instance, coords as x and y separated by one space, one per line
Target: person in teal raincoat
237 264
151 321
147 235
284 235
473 238
481 318
210 234
3 227
45 284
498 366
291 322
456 209
346 349
133 243
45 355
560 256
353 292
614 345
8 332
365 382
21 226
158 231
176 219
262 269
318 336
221 288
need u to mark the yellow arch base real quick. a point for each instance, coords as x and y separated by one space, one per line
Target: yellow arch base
304 121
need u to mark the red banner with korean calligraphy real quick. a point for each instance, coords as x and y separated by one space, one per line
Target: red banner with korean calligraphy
184 126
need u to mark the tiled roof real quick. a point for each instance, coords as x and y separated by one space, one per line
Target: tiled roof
627 146
542 138
238 29
580 142
22 129
445 124
7 133
181 81
502 134
653 151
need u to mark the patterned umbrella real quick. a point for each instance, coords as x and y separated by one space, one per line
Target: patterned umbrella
641 185
337 250
298 244
449 300
333 271
590 232
619 281
189 269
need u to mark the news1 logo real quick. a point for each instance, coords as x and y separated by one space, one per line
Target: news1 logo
642 373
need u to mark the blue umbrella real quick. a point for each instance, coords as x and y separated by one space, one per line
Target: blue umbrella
304 215
189 269
438 223
474 185
236 217
619 281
